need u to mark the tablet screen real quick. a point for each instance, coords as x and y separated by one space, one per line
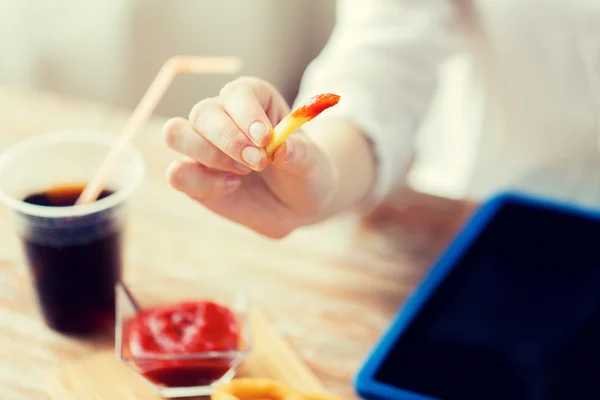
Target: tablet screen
517 318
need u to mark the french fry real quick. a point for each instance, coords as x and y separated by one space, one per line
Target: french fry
259 388
298 117
255 388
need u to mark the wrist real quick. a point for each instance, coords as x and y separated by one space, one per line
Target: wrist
352 161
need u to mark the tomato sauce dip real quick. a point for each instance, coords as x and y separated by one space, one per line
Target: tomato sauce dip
169 344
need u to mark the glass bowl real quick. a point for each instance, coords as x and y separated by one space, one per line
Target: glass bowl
177 374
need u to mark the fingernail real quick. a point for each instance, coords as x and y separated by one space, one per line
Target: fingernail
252 156
232 181
257 131
289 152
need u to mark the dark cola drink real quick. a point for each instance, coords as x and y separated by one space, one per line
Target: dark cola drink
75 262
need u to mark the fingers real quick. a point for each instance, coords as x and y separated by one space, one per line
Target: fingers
211 121
245 100
230 132
181 137
199 182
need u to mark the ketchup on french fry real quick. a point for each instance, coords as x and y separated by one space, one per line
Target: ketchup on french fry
299 116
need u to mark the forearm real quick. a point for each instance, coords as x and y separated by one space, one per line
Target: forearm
382 59
351 156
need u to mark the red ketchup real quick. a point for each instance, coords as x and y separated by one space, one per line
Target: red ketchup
316 105
180 330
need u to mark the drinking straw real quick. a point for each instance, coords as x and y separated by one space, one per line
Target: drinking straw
163 79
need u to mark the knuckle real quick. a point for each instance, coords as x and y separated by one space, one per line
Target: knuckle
300 150
230 88
241 84
171 131
201 107
257 84
249 80
213 158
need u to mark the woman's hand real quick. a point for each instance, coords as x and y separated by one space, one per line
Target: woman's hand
227 170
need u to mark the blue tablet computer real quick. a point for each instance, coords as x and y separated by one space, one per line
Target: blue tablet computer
511 311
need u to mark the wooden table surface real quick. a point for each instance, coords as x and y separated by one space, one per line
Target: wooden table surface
330 289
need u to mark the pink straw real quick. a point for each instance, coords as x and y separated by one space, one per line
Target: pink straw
143 111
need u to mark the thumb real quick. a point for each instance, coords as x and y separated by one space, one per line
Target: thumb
297 155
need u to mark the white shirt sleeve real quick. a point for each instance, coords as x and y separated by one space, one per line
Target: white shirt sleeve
382 59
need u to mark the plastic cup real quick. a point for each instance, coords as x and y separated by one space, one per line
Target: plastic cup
73 253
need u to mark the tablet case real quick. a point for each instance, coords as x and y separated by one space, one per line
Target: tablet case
366 383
